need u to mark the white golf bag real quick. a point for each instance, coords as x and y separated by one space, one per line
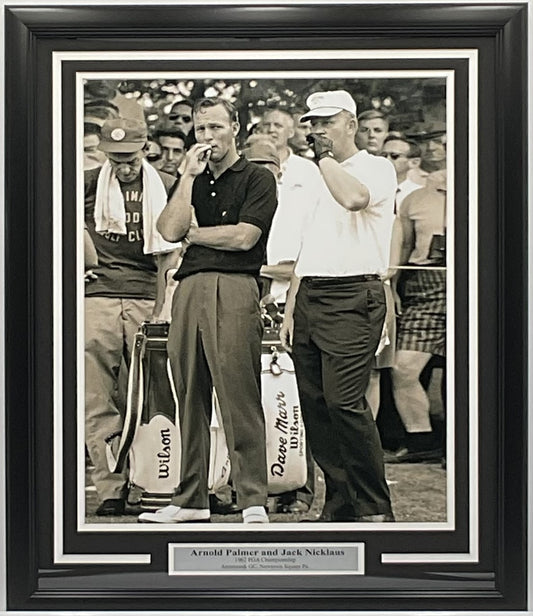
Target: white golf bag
150 439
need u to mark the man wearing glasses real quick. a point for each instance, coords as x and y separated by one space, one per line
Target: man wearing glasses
404 154
180 116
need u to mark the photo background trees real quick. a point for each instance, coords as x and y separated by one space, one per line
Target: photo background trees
409 102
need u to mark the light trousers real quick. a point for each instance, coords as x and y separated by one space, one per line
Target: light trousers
215 341
110 326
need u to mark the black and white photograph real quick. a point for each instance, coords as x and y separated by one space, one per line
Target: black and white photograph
266 308
265 321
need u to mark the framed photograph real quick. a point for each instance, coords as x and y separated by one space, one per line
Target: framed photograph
92 445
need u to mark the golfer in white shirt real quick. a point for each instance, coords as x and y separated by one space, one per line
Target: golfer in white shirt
335 311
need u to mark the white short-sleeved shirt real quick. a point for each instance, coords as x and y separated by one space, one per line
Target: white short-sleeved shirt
337 242
298 193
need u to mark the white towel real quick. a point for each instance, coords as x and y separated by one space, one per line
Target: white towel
110 213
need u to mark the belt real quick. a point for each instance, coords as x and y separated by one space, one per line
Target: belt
328 280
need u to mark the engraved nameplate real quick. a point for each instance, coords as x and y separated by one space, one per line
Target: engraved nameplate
266 558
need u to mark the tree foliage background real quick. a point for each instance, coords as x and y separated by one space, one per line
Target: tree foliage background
407 101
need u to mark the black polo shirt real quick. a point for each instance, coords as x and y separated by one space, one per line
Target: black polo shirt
245 192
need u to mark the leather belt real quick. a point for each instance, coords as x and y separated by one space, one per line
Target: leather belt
318 280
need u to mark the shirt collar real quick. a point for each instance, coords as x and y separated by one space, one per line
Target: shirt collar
239 165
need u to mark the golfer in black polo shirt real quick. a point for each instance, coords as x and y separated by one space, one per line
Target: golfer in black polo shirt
222 209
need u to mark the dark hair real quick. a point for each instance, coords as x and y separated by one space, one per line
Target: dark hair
170 132
91 128
203 103
101 108
414 148
184 101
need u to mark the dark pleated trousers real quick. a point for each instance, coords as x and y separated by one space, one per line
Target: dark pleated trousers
337 328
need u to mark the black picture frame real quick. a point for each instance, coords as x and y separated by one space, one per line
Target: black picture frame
499 581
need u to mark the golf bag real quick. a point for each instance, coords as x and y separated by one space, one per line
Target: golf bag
150 439
285 433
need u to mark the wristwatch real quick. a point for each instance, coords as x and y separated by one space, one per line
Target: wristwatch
327 153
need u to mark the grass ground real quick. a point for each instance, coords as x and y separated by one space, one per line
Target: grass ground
418 491
418 495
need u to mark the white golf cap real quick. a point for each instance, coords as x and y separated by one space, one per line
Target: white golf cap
326 104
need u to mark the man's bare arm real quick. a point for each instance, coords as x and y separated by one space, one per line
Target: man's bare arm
175 220
347 190
242 236
287 329
407 239
164 261
280 271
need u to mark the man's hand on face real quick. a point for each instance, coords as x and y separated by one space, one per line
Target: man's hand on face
322 146
196 159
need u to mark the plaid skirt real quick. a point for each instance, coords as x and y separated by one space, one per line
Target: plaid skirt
422 325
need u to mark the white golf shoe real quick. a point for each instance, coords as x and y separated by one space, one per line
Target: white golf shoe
254 515
171 514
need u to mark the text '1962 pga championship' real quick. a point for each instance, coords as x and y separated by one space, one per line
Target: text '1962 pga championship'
266 558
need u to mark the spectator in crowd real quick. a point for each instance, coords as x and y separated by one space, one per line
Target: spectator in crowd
434 152
432 137
100 89
96 113
405 154
222 209
336 308
153 152
101 109
92 156
372 131
298 142
126 286
262 151
172 143
422 323
297 189
298 182
180 116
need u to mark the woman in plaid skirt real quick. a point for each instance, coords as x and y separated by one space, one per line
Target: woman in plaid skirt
422 323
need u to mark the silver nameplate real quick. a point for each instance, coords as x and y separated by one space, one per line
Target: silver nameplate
266 558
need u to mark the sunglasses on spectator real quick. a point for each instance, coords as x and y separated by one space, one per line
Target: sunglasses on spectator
177 116
393 155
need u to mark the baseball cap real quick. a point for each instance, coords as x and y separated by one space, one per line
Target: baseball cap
427 131
123 135
261 152
324 104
